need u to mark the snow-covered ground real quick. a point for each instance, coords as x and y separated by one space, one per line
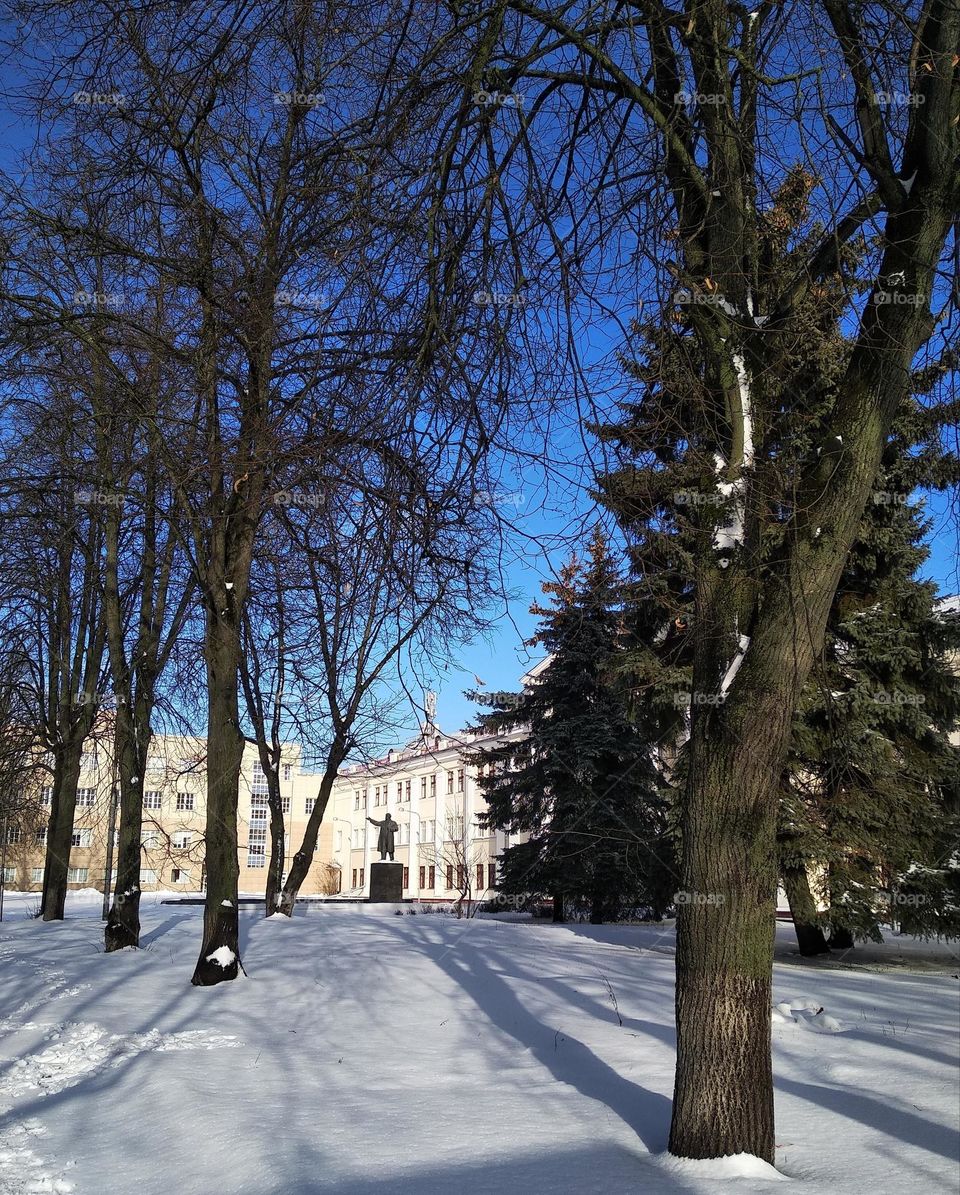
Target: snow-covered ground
381 1053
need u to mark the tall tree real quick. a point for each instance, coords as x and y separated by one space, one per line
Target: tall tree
581 783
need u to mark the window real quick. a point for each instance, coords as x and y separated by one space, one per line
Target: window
479 875
46 796
14 834
9 875
288 771
150 839
259 784
356 800
152 799
433 786
406 877
309 804
339 841
449 782
81 838
179 876
285 804
399 791
460 875
257 846
376 795
449 875
181 840
77 875
399 837
147 876
361 877
185 801
491 875
407 791
258 813
460 781
423 877
354 883
357 837
42 835
36 875
455 828
433 878
423 788
86 797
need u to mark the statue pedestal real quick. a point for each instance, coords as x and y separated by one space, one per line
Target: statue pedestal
386 881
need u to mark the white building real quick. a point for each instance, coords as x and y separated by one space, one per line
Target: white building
431 791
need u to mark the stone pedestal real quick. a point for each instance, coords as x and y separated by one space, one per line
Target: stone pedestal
386 881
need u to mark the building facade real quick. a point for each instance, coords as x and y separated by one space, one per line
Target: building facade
431 792
174 815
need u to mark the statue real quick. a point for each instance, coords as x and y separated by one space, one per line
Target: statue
388 827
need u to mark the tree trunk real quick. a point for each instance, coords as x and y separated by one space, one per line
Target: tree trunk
300 865
220 951
277 848
123 920
723 1099
841 938
810 937
63 805
559 915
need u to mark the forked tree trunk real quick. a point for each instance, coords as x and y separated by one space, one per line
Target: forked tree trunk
220 951
300 864
559 913
803 910
63 806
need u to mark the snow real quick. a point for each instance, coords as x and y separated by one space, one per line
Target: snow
743 642
372 1052
223 956
732 1166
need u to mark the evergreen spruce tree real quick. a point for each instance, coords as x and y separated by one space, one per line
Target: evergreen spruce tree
579 780
871 789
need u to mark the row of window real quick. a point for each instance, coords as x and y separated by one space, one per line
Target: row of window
428 877
428 786
184 803
80 875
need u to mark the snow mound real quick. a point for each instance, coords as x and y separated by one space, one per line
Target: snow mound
731 1166
223 956
810 1014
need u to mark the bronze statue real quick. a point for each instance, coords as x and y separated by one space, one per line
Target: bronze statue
388 827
